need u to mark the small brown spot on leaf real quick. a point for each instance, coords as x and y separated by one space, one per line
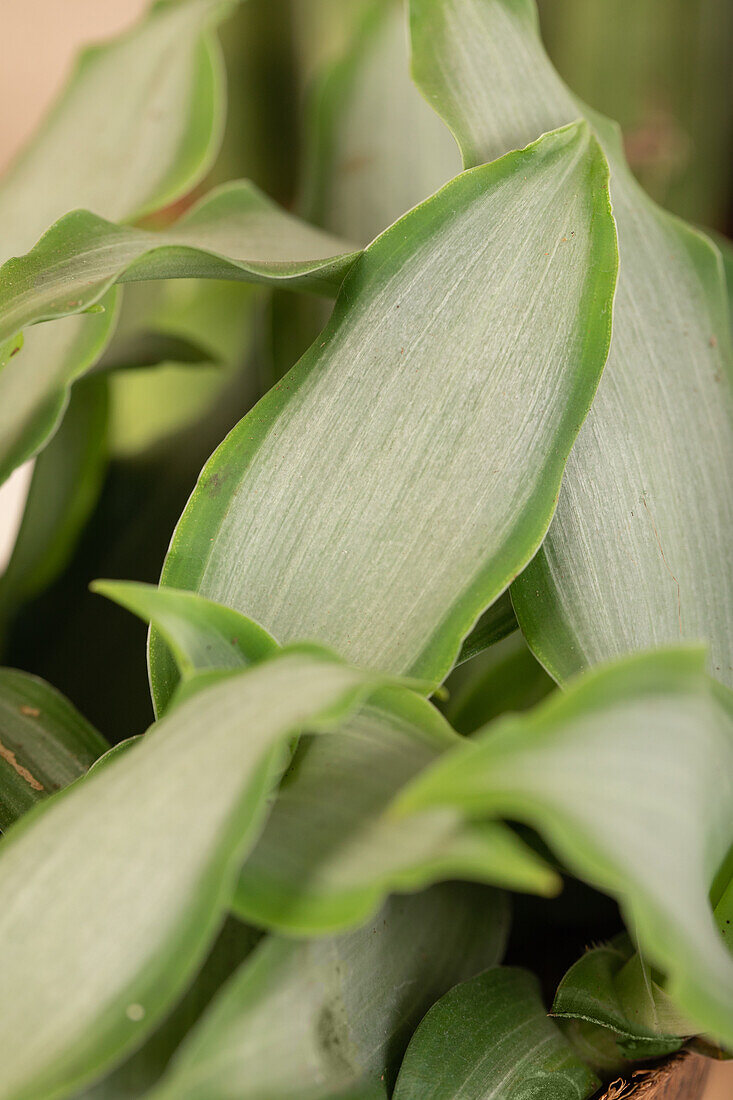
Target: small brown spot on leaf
30 712
12 759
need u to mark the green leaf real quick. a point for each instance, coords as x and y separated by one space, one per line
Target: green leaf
389 488
34 386
67 478
611 987
45 743
10 349
330 852
331 1018
149 406
137 125
115 751
236 232
629 776
638 554
326 863
373 149
497 622
137 897
726 251
490 1037
376 149
146 1066
199 633
149 349
505 678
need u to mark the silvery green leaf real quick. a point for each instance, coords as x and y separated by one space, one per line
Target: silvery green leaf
506 677
132 869
376 147
388 489
137 125
330 1019
638 553
330 851
64 488
199 633
236 232
629 776
613 988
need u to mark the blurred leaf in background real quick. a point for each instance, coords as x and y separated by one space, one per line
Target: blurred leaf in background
663 69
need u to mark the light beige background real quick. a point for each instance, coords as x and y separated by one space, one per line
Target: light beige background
39 40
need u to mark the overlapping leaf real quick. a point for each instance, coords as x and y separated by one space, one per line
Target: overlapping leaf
235 233
330 1019
137 125
611 987
329 854
506 678
389 488
497 622
638 553
330 851
200 634
136 895
144 1068
630 778
490 1037
65 485
376 148
45 743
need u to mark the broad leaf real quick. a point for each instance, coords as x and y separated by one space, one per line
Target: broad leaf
376 147
611 987
65 485
630 777
200 634
146 1066
638 553
234 233
137 897
390 487
137 125
45 743
490 1037
330 852
331 1018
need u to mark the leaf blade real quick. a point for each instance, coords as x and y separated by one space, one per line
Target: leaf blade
331 584
140 900
45 743
623 567
330 852
200 634
138 123
235 232
656 844
489 1037
313 1020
